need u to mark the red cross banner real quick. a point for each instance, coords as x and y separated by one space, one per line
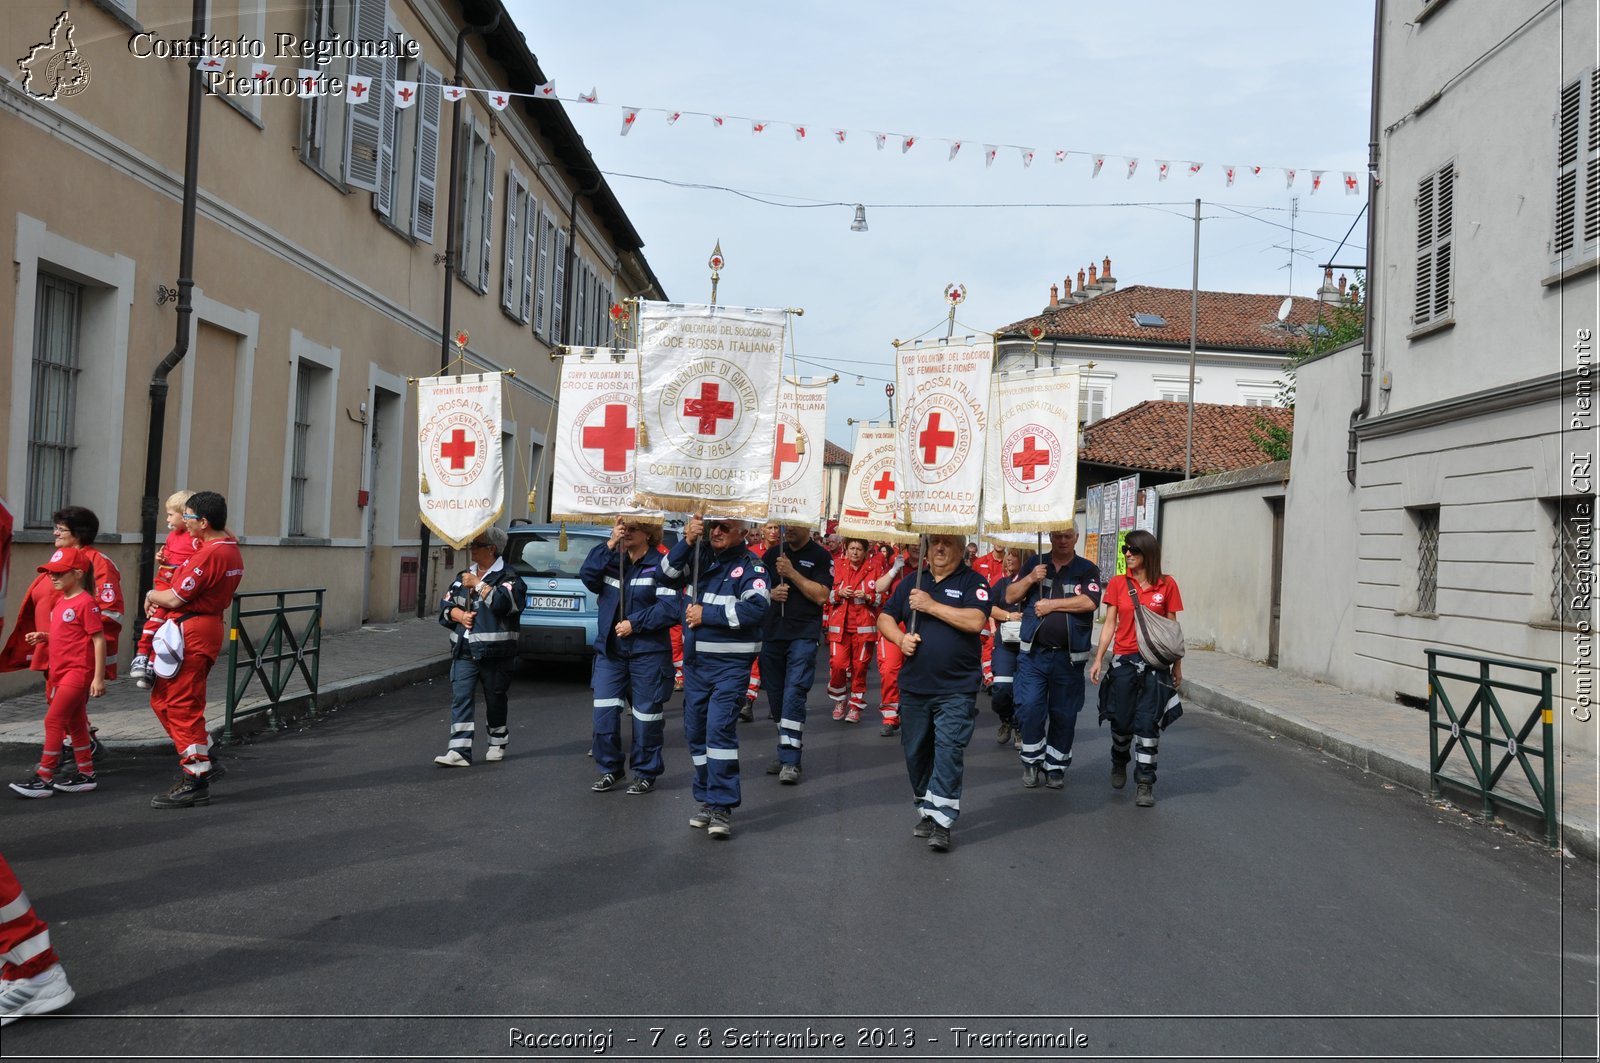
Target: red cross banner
797 483
942 432
597 436
871 502
1030 478
461 489
708 403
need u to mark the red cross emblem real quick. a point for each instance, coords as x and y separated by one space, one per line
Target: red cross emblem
1029 458
628 119
932 438
884 484
709 407
358 90
1350 182
310 83
454 94
211 63
405 94
457 449
263 75
612 437
784 454
499 101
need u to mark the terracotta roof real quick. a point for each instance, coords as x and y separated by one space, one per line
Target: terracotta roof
1230 320
1150 437
834 454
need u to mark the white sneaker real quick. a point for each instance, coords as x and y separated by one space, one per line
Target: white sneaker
452 759
495 753
34 996
139 667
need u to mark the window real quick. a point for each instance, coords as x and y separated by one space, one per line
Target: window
1173 395
1577 225
298 475
1092 400
477 207
1259 400
325 121
51 437
307 493
1426 521
558 287
1435 226
541 278
1571 588
516 286
1149 321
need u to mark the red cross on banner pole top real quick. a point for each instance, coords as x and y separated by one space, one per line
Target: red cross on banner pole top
612 437
785 453
1029 458
883 485
932 438
457 449
709 408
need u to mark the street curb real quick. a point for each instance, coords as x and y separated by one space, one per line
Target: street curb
1402 770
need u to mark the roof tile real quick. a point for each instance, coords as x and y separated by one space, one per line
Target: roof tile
1226 319
1151 436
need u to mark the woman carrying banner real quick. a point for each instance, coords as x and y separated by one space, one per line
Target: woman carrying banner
1135 693
852 627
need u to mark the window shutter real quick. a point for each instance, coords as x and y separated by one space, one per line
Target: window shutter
530 235
1443 245
558 288
580 322
1424 301
364 127
1568 139
380 97
426 189
1591 181
488 217
513 242
541 277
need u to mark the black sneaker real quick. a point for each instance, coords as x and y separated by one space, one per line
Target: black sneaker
1030 775
78 782
939 839
748 713
1145 798
34 787
721 825
1055 780
774 766
889 730
642 785
97 748
701 818
1119 776
608 781
924 827
188 792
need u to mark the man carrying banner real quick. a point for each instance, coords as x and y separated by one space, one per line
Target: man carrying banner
939 679
852 627
483 612
722 623
803 575
633 653
1057 594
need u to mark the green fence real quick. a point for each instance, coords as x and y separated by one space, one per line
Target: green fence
1490 749
288 641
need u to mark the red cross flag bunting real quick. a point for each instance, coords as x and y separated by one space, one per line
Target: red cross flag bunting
871 498
941 434
797 489
709 403
597 436
462 486
1030 479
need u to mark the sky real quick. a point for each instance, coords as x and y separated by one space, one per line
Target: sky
1250 82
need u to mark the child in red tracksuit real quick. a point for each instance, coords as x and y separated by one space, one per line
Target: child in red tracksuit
77 646
178 549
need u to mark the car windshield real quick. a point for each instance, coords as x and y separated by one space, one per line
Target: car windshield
538 553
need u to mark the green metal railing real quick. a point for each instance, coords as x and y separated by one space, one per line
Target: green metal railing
277 654
1497 742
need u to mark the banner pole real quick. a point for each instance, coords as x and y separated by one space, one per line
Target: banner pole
916 578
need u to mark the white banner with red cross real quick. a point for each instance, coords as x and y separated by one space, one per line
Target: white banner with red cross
942 433
797 481
597 436
1030 480
708 407
871 502
462 483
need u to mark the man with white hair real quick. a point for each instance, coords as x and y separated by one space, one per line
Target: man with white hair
483 612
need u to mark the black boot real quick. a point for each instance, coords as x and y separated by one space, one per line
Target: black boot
188 792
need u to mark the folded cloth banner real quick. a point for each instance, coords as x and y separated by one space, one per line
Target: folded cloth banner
871 499
1030 479
462 486
797 484
597 437
708 404
942 434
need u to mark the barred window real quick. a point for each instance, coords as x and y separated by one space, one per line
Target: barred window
57 319
298 476
1572 587
1427 520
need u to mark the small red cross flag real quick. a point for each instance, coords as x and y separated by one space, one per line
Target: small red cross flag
498 99
881 138
955 146
545 90
799 132
1316 181
629 116
1351 186
1228 170
1061 156
1099 161
906 144
1163 167
757 126
209 63
589 97
261 73
1255 171
453 93
307 83
717 120
1194 168
839 135
672 118
1133 164
989 152
357 89
1027 157
1288 178
405 94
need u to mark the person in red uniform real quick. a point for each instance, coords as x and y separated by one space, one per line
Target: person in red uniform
852 628
200 596
906 562
32 981
991 567
174 553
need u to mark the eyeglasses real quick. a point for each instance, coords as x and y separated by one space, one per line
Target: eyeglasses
190 516
722 526
478 546
1131 550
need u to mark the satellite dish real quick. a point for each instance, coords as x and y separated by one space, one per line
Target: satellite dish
1283 310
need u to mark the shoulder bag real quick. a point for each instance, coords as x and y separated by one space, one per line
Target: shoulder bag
1160 637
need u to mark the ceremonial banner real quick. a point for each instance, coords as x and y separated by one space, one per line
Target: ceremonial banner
708 406
1030 479
871 501
597 426
462 486
797 494
942 434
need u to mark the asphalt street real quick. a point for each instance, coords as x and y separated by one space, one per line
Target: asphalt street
344 896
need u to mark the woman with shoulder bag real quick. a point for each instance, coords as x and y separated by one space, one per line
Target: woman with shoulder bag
1136 691
1007 643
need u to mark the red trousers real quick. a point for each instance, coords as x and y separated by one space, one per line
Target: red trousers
180 705
852 654
677 650
24 938
889 658
68 715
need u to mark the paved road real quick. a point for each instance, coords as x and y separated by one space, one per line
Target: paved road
436 912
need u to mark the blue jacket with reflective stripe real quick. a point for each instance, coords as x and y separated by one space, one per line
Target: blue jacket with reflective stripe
1080 576
496 620
734 594
652 607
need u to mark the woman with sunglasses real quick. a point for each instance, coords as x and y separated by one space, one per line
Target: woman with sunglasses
1135 691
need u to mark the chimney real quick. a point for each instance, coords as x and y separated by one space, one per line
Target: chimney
1055 296
1342 282
1108 283
1081 285
1328 293
1067 288
1092 280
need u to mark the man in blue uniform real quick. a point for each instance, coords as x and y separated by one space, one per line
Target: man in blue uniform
632 653
803 572
939 678
722 616
483 610
1057 594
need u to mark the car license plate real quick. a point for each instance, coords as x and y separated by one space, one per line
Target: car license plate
547 602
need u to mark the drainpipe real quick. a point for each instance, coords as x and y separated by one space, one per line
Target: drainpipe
449 258
567 300
148 502
1360 412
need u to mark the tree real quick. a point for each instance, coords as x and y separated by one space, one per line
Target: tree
1337 325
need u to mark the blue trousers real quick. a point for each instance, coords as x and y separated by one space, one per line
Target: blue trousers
1049 693
494 673
934 732
787 671
1004 664
1136 694
713 691
639 685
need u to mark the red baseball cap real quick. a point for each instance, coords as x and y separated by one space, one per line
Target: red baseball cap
65 559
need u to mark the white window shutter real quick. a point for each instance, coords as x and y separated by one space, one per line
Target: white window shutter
364 125
1444 244
541 276
530 235
558 288
425 192
381 97
580 321
488 217
512 243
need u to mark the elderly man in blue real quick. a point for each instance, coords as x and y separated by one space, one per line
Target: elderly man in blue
483 612
722 620
632 653
940 678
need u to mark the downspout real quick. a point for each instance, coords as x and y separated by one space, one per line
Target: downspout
148 502
451 234
572 253
1360 412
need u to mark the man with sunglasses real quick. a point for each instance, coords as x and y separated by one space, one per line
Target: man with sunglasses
723 612
483 612
804 571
